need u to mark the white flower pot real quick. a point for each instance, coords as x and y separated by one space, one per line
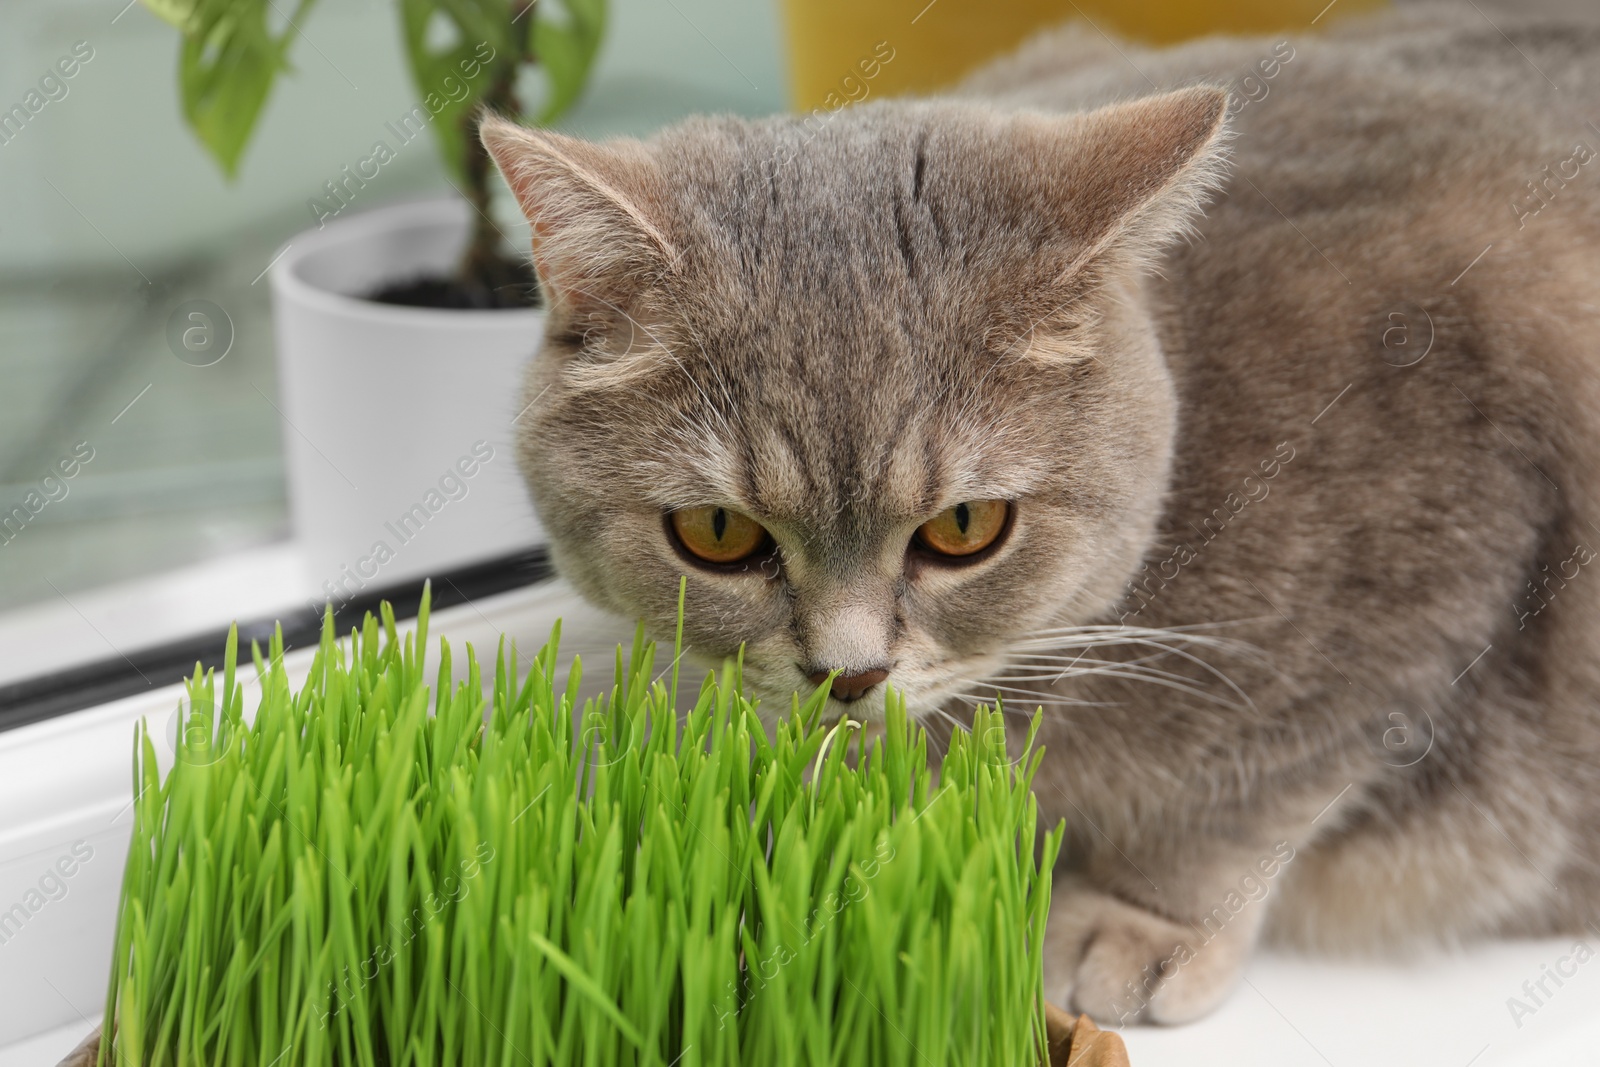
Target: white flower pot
398 420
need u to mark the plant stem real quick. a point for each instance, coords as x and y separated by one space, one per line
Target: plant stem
484 264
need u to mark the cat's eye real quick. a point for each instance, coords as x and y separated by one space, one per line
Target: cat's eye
964 530
717 535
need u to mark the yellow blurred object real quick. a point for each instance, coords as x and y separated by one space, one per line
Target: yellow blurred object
847 50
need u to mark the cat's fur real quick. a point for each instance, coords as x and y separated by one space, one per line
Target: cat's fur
1272 589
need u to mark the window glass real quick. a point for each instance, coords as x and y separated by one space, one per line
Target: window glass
123 453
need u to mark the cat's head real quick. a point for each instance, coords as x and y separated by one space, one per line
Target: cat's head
883 389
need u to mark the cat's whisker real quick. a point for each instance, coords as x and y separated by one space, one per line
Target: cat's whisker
1035 697
1193 691
1198 631
1109 670
1030 658
1075 636
1091 666
1182 627
635 325
1176 642
938 721
1162 648
1084 657
716 373
1170 642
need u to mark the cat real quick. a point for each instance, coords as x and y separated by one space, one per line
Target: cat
1236 403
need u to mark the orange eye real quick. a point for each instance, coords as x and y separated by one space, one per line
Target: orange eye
965 529
718 535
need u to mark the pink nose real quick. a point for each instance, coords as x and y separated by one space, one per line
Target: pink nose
848 687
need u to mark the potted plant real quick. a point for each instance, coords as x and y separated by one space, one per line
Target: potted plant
643 883
417 307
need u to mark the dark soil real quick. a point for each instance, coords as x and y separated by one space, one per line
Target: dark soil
513 287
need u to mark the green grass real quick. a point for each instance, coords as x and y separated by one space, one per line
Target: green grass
373 872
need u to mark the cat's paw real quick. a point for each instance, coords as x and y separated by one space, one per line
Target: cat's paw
1121 964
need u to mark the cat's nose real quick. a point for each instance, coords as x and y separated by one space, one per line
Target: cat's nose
848 687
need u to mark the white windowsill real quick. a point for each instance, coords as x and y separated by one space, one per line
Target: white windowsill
46 1050
99 623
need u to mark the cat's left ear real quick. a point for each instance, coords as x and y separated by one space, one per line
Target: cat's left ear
595 209
1137 173
1066 201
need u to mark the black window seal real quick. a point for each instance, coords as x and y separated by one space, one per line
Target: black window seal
88 685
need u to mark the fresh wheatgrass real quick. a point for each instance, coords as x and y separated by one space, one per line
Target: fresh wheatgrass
376 872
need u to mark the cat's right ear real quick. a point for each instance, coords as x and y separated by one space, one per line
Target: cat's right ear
594 210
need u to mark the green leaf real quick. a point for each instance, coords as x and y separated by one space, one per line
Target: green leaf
230 59
453 79
226 67
585 984
567 49
177 12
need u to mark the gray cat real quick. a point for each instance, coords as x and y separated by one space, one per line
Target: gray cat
1238 403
